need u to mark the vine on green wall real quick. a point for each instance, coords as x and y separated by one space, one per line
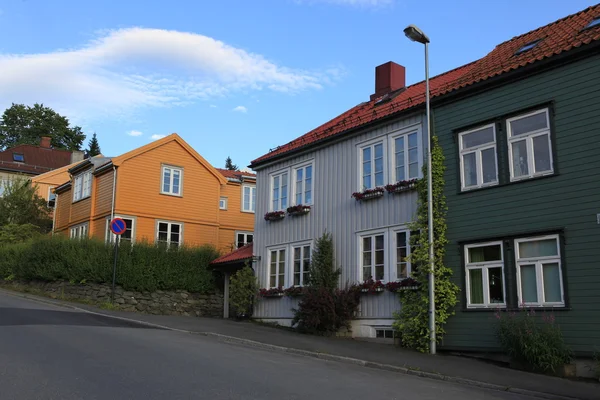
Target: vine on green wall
412 321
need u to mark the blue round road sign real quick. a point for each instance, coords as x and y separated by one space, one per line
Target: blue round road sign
117 226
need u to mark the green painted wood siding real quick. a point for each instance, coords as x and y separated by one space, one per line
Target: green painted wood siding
569 200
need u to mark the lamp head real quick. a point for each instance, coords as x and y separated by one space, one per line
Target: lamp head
415 34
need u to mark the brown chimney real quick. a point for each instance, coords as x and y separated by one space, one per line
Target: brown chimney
388 78
45 142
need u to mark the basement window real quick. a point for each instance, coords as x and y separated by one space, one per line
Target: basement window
384 333
595 22
527 47
18 157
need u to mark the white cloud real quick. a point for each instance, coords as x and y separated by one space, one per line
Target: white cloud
241 109
128 69
157 136
355 3
134 133
213 106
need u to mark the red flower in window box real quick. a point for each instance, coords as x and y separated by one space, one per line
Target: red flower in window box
294 291
274 215
299 209
273 292
371 286
404 284
401 186
369 194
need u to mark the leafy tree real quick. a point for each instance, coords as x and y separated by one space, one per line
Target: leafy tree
93 146
23 124
243 289
13 233
230 165
412 321
20 205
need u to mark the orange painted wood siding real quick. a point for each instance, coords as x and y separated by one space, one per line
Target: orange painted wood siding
104 192
44 182
80 211
63 210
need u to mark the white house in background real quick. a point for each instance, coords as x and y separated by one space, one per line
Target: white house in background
376 143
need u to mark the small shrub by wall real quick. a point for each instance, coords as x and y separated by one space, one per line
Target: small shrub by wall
142 267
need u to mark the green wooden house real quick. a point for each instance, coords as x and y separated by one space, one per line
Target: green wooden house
520 130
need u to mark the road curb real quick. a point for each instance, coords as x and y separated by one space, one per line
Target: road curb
307 353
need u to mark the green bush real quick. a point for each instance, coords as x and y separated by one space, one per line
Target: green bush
536 343
243 289
14 233
142 267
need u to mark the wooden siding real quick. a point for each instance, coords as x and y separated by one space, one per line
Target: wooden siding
104 193
63 210
569 200
335 176
233 219
80 211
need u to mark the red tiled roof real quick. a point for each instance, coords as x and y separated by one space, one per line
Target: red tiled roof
555 38
234 174
37 159
238 255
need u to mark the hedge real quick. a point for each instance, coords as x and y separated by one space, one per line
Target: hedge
141 267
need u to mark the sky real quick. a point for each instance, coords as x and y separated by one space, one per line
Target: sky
234 78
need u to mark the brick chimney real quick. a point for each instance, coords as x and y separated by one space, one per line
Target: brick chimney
45 142
388 78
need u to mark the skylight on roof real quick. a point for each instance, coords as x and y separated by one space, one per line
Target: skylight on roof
527 47
18 157
595 22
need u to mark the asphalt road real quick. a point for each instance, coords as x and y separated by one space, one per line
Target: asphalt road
49 352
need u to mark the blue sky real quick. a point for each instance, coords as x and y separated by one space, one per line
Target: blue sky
233 78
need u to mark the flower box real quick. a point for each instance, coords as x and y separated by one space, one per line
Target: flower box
404 284
273 292
401 186
294 291
298 210
371 286
274 216
369 194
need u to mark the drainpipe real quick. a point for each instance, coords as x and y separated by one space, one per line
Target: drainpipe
54 213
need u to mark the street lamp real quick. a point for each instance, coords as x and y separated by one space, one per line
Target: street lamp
417 35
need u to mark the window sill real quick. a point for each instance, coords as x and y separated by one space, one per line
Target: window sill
248 212
83 198
171 194
535 178
516 309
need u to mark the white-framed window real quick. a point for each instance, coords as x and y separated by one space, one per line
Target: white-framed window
172 180
79 231
279 191
372 164
51 197
478 160
248 198
169 233
223 203
373 256
301 255
3 184
407 157
401 267
277 267
243 238
128 235
303 184
530 147
82 187
484 274
539 272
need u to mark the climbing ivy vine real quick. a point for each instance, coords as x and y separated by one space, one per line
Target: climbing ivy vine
412 321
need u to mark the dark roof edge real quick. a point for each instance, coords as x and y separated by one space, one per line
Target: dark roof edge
62 187
80 166
498 80
103 168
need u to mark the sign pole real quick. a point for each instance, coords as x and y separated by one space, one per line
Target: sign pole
112 296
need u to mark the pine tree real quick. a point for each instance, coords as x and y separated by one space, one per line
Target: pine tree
230 165
94 147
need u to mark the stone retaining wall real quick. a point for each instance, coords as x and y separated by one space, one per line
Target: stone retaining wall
178 302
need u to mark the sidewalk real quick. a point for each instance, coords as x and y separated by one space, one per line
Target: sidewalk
446 367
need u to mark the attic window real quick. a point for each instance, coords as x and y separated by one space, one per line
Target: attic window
18 157
595 22
527 47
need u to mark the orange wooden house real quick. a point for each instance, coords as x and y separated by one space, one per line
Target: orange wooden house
165 191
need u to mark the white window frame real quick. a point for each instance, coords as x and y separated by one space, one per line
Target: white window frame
386 264
277 249
539 276
49 196
392 156
245 233
170 192
292 249
79 231
223 203
294 192
252 200
109 237
272 177
528 137
170 224
372 143
478 163
82 186
393 274
484 266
